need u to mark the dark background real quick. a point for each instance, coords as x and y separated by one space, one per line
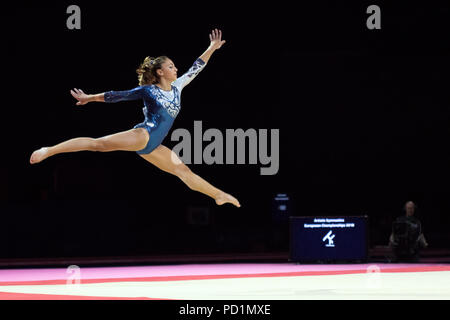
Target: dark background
363 118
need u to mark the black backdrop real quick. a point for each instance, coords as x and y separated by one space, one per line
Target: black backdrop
363 118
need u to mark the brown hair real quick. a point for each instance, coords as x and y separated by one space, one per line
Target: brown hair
147 70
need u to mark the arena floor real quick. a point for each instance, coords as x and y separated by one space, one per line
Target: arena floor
231 281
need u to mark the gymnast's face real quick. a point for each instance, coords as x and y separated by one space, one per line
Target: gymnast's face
168 70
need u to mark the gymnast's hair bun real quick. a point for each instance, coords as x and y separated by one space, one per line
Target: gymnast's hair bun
147 70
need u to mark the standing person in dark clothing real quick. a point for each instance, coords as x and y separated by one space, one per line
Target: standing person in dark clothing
407 238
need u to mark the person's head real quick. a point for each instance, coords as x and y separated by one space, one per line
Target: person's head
410 207
153 70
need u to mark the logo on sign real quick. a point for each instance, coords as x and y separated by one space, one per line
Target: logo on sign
329 237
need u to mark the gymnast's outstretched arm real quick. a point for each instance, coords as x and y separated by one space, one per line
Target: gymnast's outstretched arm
200 63
216 42
110 96
84 98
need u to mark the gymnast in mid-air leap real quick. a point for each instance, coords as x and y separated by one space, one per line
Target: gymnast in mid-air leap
160 89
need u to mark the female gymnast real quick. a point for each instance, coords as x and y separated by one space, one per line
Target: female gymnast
160 89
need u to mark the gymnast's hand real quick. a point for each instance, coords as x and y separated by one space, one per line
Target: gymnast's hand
216 39
82 97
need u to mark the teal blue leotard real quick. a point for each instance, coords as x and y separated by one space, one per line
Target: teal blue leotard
160 107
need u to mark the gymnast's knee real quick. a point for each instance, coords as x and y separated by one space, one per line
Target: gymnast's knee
99 144
183 172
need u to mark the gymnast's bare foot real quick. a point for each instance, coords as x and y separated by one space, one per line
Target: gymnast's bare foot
39 155
227 198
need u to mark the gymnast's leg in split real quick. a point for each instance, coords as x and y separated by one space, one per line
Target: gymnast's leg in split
130 140
167 160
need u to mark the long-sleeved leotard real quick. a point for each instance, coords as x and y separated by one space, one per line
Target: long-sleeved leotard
160 107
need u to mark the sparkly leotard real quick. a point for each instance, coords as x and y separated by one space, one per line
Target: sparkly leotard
160 107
